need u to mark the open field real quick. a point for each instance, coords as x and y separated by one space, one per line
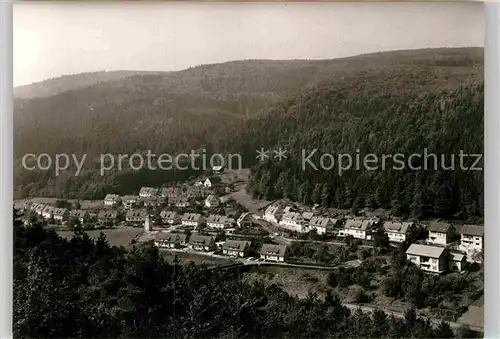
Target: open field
197 259
116 237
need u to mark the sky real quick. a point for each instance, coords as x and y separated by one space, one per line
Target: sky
54 39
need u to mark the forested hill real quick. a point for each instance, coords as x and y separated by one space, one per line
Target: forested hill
386 102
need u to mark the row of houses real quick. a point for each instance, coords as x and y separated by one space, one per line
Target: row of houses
195 219
152 194
60 215
233 248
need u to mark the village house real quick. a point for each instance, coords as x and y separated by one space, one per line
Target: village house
199 242
397 231
129 201
170 218
235 248
273 214
47 212
170 240
458 261
136 216
440 233
147 192
359 228
170 192
428 258
192 219
211 201
60 214
182 201
39 208
244 220
471 241
218 221
153 201
81 215
293 221
322 224
112 200
273 252
211 182
107 216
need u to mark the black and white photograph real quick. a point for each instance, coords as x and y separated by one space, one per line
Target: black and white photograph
248 170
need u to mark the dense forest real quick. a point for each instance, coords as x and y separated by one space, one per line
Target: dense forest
85 288
383 103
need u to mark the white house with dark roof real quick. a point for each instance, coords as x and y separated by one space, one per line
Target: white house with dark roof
235 248
199 242
272 252
244 220
136 216
192 219
397 231
273 214
471 240
129 201
48 212
170 240
440 233
170 217
147 192
294 221
60 214
428 258
321 224
359 228
112 200
218 221
458 261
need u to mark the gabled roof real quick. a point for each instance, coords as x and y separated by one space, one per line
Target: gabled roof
171 237
148 190
293 216
191 217
129 198
457 256
78 213
197 239
307 215
270 249
474 230
112 197
107 214
439 227
397 227
318 221
217 219
360 224
274 209
136 214
425 250
235 245
213 180
168 214
60 211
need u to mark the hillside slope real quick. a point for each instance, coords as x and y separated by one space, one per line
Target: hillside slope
241 105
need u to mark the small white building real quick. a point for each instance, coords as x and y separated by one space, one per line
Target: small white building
440 233
322 225
428 258
112 200
471 241
397 231
170 217
294 221
136 216
235 248
273 252
170 240
359 228
218 221
192 219
273 214
148 192
129 201
458 261
199 242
